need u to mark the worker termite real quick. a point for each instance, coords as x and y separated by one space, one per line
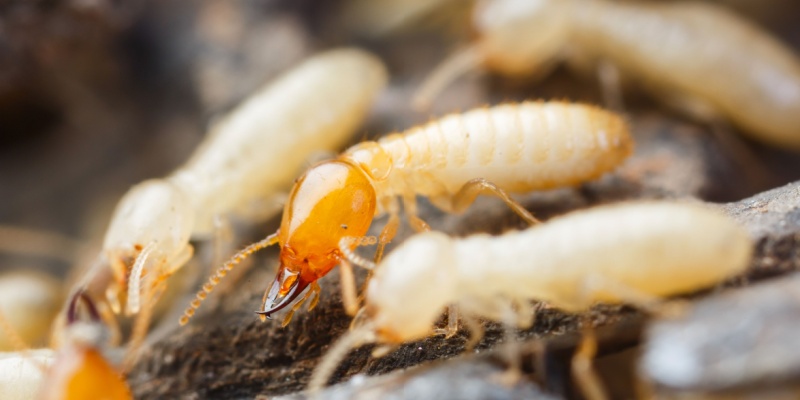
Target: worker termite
77 370
248 156
691 54
513 147
29 301
629 252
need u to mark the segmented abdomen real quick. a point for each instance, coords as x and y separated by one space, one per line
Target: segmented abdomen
519 147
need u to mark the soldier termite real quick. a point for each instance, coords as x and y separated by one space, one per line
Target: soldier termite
634 252
696 57
248 156
77 370
507 148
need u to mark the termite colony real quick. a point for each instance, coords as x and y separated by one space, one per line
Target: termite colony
382 152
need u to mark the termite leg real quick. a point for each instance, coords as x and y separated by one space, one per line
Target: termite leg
315 290
585 376
476 331
526 313
611 85
452 323
295 307
390 229
387 234
348 282
410 204
141 325
511 352
221 242
383 350
467 194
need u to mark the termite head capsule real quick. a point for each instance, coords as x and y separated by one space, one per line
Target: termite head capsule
153 220
331 201
423 266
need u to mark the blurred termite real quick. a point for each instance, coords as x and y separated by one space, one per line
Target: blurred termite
377 18
251 154
29 301
635 253
77 370
508 148
698 58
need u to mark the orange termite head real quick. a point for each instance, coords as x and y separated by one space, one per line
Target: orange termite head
80 371
332 200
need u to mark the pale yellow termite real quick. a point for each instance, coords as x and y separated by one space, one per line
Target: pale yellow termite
697 57
251 154
630 252
29 301
507 148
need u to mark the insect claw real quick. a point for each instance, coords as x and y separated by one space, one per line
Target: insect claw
283 291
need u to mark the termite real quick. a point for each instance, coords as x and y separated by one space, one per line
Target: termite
77 370
29 301
635 252
507 148
249 155
697 57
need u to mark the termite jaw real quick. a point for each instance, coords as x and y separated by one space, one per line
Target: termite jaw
283 291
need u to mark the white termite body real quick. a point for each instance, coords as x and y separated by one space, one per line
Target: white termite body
518 147
249 155
697 57
655 248
29 302
22 373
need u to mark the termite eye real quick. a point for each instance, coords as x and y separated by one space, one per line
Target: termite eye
344 226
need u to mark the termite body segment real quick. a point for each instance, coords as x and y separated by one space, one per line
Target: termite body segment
690 54
657 249
21 374
629 252
249 155
513 147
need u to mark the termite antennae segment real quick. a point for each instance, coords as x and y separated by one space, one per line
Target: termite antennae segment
135 280
222 271
350 340
349 253
444 74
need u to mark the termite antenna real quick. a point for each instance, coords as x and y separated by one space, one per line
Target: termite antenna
453 67
135 280
349 254
222 271
140 327
350 340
